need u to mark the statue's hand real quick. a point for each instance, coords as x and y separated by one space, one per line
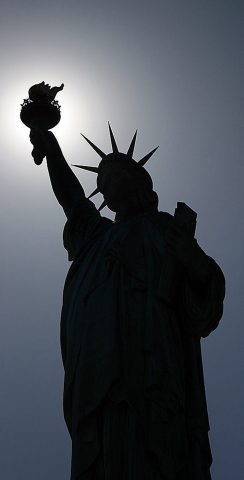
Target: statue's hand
186 250
38 140
44 142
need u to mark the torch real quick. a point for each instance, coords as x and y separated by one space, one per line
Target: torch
42 111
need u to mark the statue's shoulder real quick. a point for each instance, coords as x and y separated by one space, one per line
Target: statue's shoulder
161 220
165 216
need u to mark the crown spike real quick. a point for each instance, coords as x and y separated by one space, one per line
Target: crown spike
144 160
132 146
113 142
100 153
94 193
102 206
86 167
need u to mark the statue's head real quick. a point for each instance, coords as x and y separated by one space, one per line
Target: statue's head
122 180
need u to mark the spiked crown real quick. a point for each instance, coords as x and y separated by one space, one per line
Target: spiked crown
119 158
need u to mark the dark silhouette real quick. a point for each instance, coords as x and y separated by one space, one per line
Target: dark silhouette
138 297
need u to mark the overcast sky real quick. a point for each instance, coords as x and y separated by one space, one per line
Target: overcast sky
173 69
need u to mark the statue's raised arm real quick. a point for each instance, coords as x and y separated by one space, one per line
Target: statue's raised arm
41 112
65 184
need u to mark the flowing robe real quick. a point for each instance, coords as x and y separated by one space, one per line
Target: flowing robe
130 331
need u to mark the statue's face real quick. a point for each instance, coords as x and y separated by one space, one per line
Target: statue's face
117 184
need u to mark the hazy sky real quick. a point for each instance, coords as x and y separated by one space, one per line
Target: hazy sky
173 69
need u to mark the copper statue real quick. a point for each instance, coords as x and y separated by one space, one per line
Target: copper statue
139 296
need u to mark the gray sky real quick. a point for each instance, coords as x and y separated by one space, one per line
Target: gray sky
173 69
